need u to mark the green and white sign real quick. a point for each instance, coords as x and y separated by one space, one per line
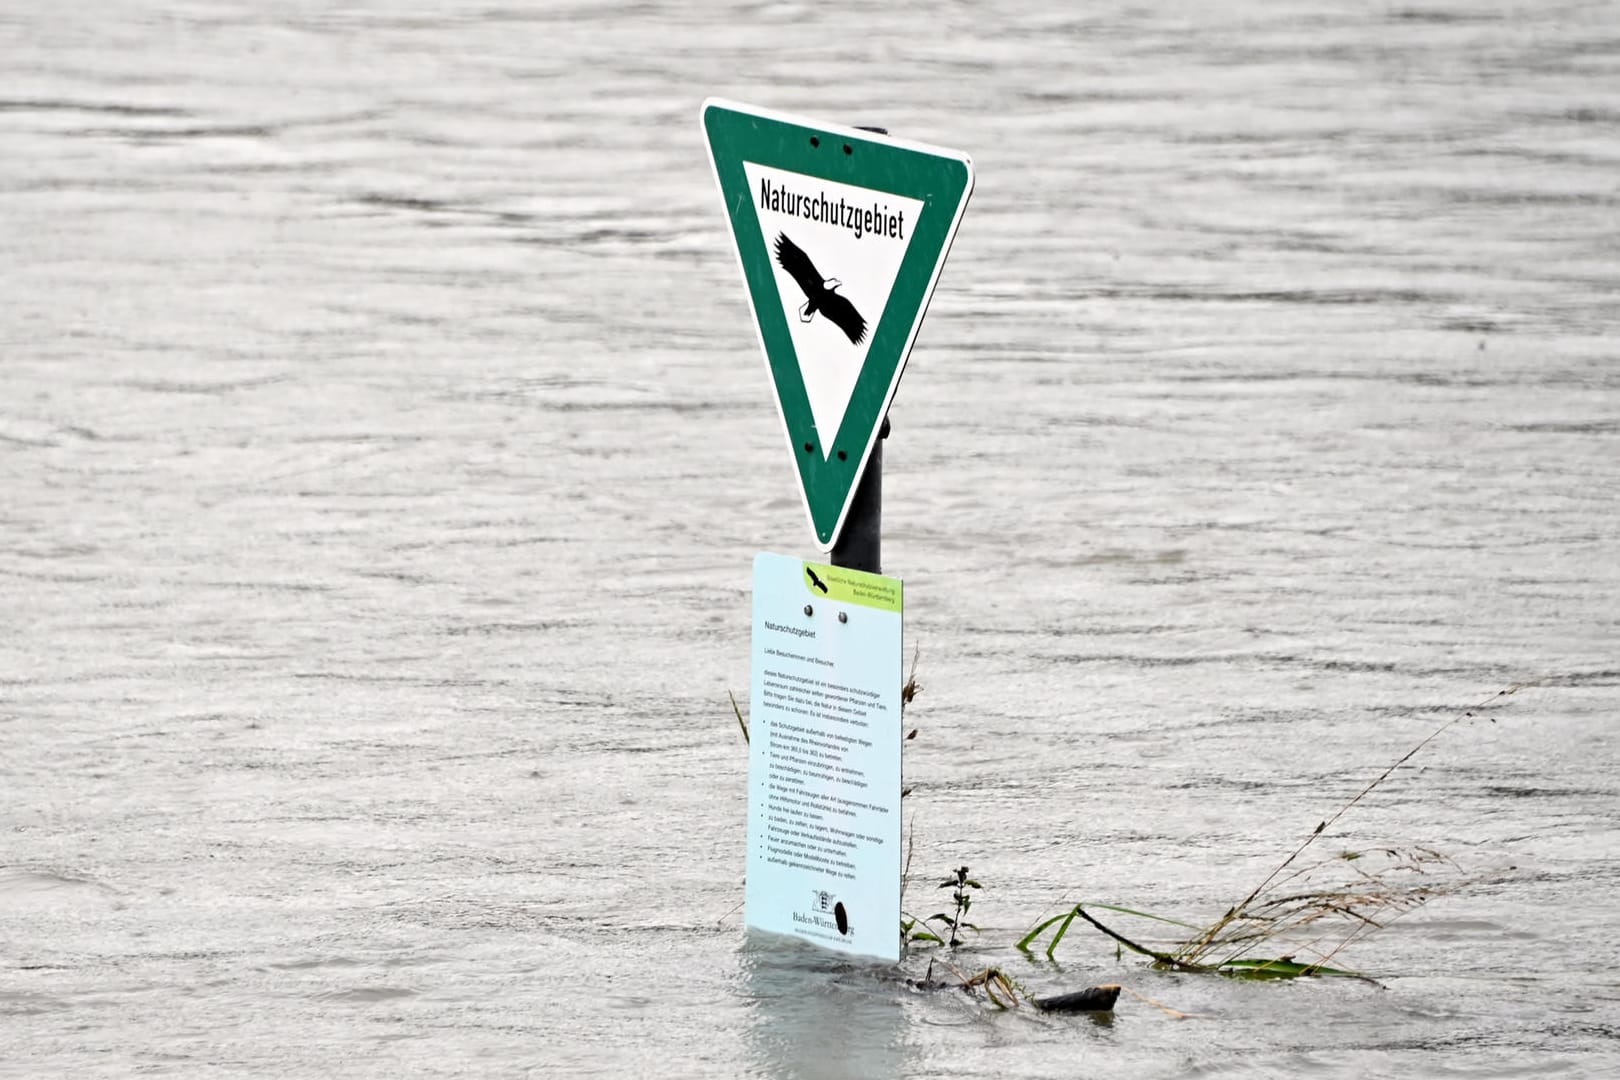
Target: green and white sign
841 234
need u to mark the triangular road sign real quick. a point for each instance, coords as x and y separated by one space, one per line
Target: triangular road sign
841 234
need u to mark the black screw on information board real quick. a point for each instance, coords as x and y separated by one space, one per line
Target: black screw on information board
860 545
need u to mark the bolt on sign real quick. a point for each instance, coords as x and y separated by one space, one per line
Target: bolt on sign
841 235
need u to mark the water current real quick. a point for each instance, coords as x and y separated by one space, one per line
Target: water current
384 447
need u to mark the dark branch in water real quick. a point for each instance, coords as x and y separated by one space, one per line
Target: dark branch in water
1160 957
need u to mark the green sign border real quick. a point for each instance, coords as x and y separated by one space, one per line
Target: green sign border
941 179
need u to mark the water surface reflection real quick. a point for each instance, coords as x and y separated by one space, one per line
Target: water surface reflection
813 1016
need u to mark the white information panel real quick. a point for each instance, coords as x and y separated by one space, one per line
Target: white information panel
824 756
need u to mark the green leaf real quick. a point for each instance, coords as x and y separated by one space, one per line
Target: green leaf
1280 969
1064 929
1023 942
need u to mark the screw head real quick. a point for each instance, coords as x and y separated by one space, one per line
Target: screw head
843 616
808 610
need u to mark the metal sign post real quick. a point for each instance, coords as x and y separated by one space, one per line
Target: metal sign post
860 545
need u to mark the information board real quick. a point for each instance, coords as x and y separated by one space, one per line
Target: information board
824 756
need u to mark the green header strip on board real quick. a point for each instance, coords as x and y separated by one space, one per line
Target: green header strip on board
852 586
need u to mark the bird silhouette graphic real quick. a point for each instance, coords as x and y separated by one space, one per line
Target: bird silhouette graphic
818 291
817 582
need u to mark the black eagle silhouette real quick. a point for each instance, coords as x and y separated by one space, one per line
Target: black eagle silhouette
817 582
818 291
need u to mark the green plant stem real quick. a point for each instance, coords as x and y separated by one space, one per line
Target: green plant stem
740 721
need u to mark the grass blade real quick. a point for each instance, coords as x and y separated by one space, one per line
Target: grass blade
1064 929
1023 943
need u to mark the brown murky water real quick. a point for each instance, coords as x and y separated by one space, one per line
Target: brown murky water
384 448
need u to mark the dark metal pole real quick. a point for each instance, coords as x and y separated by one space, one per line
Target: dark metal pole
860 545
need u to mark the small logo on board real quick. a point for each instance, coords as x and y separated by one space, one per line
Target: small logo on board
823 901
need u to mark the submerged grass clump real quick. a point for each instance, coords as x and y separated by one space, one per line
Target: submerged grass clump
1310 910
1314 913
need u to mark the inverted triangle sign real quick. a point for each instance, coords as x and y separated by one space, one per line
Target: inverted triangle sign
841 235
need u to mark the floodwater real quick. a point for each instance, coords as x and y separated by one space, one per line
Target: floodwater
384 448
